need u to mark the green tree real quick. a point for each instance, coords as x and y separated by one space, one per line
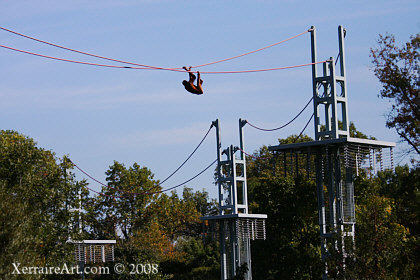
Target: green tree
200 259
398 71
35 193
387 228
149 225
387 238
291 250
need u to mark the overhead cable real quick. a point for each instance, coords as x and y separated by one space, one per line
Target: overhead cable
139 193
85 63
300 134
144 65
261 70
146 68
283 126
237 56
84 53
205 136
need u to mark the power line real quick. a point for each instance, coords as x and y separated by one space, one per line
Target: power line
283 126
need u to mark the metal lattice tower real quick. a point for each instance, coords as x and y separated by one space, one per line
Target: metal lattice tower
330 93
236 227
335 157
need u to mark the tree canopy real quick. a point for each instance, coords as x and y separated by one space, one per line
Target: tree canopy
398 71
37 189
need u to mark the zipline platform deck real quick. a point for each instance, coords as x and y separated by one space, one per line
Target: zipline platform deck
94 251
352 142
355 152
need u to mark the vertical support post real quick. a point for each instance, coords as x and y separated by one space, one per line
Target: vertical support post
315 83
245 241
223 264
216 124
234 185
333 98
343 98
242 161
341 35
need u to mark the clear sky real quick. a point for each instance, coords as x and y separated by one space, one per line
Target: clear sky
98 115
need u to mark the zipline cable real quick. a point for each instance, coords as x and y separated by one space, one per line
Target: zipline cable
261 70
144 65
300 134
142 193
272 45
283 126
84 53
205 136
85 63
168 69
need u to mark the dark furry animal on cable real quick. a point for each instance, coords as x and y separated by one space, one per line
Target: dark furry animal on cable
189 85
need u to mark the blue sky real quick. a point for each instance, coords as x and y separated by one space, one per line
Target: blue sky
98 115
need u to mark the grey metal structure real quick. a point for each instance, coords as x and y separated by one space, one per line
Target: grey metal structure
236 227
94 251
334 158
330 93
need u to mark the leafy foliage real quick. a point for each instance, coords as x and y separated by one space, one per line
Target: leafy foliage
35 193
398 71
37 190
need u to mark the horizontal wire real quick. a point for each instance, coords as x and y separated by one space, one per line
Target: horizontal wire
262 70
84 53
145 68
85 63
144 65
272 45
274 129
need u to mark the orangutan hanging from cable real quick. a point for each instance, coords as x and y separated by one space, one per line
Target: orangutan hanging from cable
189 85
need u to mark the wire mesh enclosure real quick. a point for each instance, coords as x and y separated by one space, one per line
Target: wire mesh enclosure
362 155
246 226
234 233
94 251
252 229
